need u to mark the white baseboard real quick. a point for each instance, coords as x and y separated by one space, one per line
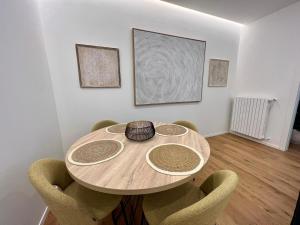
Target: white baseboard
264 142
215 134
44 216
271 145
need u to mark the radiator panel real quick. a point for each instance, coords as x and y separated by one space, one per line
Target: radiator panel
250 116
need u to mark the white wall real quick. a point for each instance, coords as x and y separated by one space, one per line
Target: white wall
109 23
29 125
269 59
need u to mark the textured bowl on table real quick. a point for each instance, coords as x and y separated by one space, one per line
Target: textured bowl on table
139 130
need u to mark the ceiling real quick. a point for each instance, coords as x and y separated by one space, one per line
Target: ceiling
241 11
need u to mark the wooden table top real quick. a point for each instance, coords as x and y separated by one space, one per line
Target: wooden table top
129 173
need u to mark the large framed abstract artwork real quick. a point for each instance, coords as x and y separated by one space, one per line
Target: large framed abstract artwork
98 67
218 73
167 68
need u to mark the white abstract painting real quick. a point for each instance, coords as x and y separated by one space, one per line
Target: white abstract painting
167 69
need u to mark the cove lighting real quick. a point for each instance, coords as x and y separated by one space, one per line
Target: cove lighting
174 6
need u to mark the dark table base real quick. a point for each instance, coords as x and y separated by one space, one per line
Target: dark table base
129 212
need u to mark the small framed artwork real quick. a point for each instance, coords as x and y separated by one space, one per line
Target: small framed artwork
98 67
218 73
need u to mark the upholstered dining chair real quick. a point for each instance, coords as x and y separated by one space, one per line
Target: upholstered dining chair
70 203
187 124
191 205
102 124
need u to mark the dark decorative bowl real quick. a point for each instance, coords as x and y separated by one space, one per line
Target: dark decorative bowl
139 130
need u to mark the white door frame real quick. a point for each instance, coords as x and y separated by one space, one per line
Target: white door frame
287 143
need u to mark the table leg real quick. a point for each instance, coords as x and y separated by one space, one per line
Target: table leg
129 212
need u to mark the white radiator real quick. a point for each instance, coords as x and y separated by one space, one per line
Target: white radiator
250 116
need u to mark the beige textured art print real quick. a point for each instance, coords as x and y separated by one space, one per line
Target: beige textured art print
98 66
218 73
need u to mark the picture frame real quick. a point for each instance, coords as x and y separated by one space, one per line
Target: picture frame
218 72
167 68
98 66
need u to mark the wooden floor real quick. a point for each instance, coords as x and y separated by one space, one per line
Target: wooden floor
269 181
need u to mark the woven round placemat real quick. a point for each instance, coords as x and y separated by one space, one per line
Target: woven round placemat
174 159
117 129
171 130
95 152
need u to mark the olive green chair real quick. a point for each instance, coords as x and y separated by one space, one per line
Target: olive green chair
191 205
70 203
187 124
102 124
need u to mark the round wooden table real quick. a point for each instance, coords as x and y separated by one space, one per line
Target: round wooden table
129 173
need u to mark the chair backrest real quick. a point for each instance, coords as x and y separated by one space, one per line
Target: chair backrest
50 177
187 124
102 124
218 189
